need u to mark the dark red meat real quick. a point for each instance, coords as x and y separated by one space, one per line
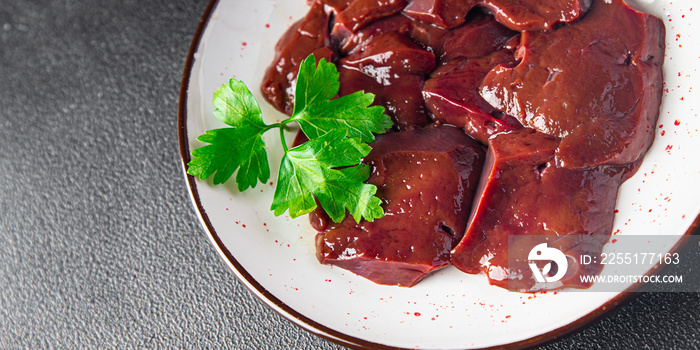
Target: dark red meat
467 54
523 192
452 97
360 13
480 36
334 5
536 15
394 24
427 178
427 35
307 36
518 15
596 84
392 67
445 13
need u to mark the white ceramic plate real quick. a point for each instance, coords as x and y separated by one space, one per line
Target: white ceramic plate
274 256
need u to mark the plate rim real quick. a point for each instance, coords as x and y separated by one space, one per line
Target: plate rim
298 318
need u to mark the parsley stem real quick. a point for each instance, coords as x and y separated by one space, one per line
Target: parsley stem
283 126
284 142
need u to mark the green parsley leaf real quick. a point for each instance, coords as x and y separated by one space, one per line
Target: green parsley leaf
240 147
317 113
327 167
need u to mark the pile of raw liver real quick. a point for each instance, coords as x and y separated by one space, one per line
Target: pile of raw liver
512 117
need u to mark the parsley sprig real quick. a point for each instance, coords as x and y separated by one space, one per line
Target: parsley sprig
326 169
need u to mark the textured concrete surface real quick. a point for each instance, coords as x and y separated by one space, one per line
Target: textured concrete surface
100 247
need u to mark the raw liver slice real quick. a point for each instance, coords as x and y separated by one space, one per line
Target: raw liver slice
523 192
445 13
596 84
480 36
334 5
360 13
307 36
397 23
427 178
536 15
518 15
427 35
452 97
392 67
466 55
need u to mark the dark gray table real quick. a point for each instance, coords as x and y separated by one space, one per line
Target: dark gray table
99 244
